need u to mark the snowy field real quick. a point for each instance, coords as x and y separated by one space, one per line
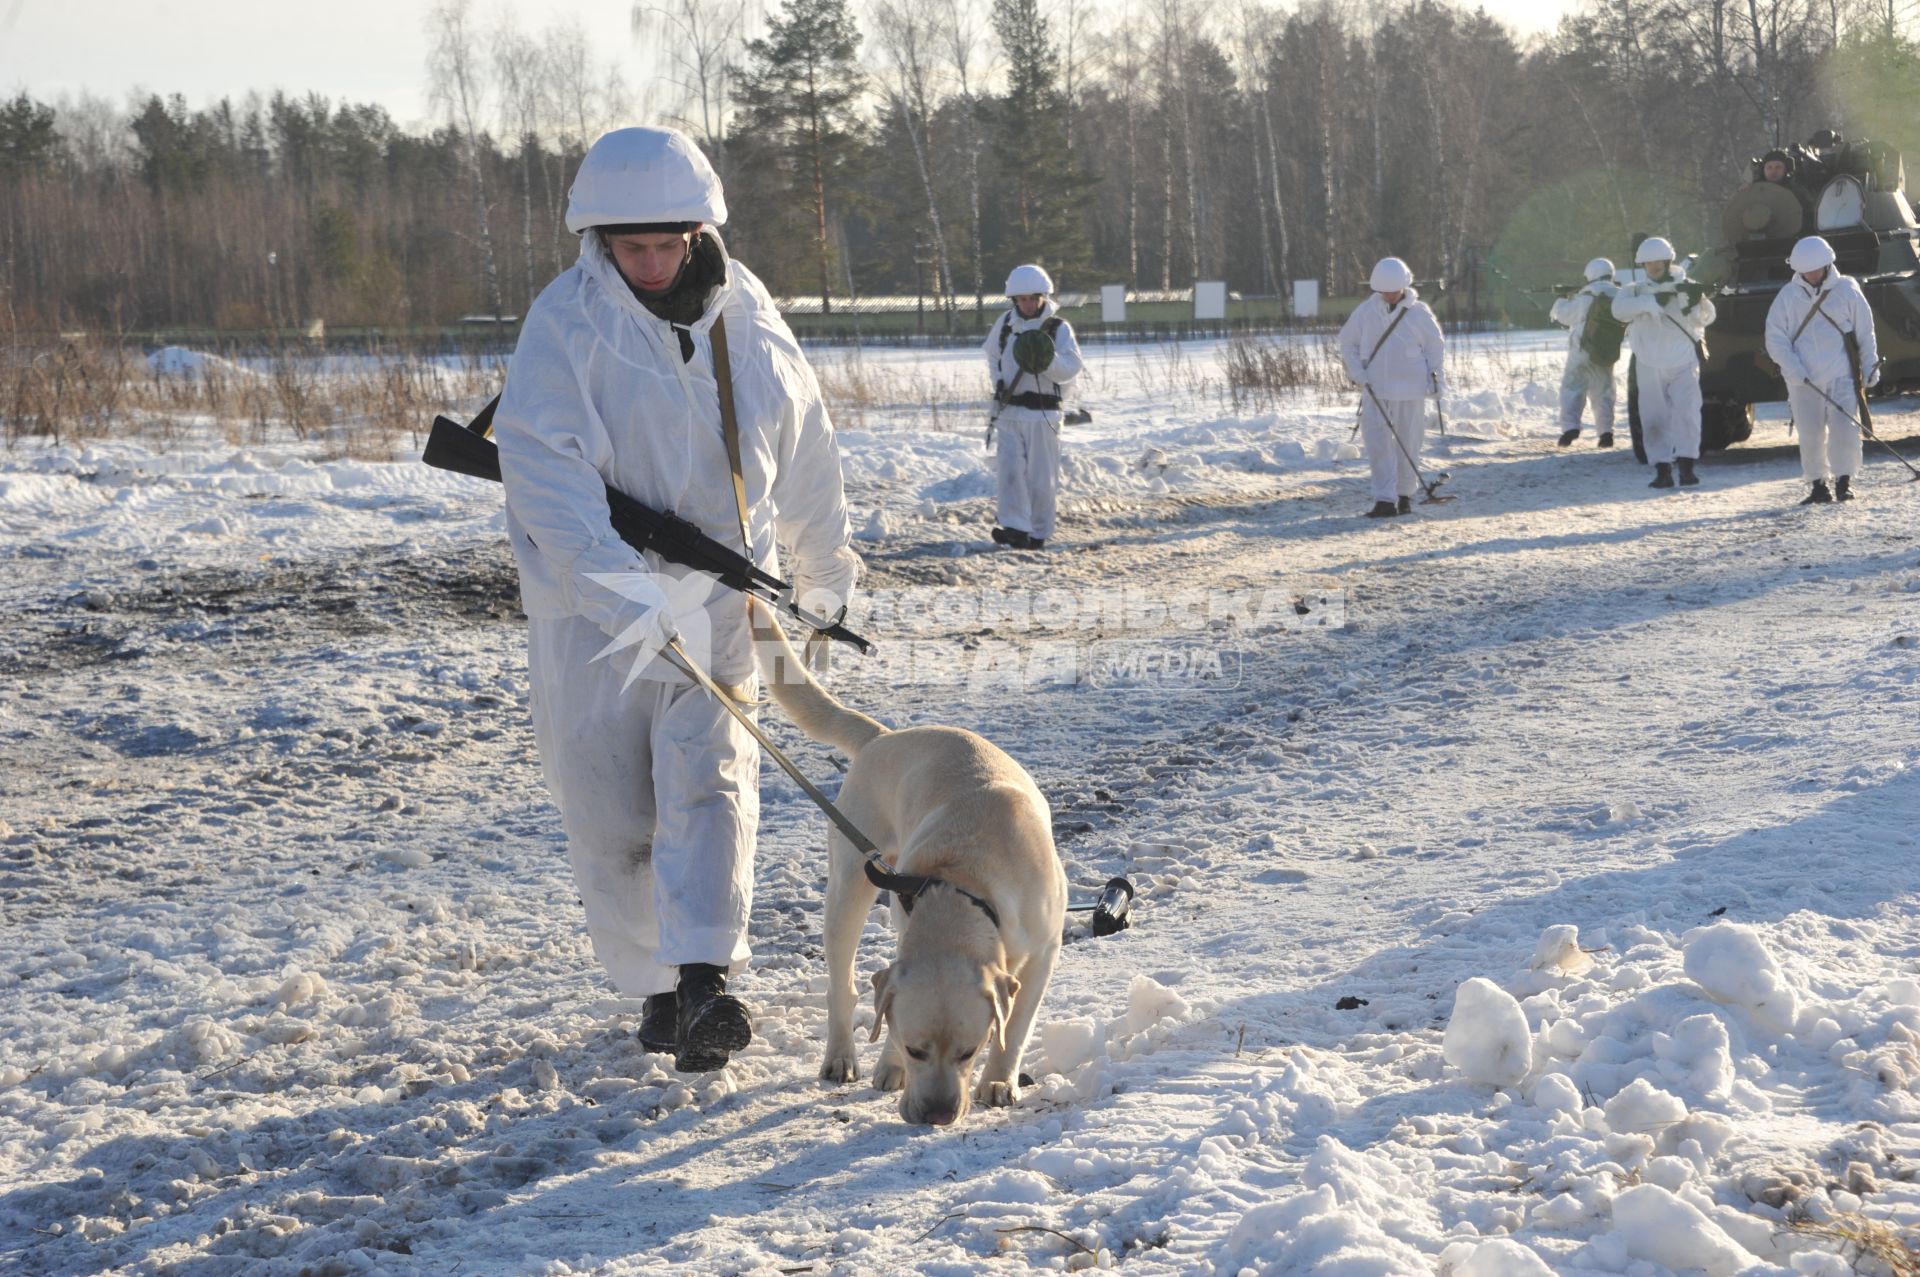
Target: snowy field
1526 886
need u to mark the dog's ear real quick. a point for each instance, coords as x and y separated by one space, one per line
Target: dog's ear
1001 989
882 1000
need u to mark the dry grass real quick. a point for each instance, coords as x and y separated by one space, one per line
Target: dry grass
863 393
1867 1244
1261 372
79 391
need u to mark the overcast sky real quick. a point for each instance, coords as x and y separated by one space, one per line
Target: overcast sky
347 50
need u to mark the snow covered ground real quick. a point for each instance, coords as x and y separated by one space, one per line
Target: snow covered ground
1526 886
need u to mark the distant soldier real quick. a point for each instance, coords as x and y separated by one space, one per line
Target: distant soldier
1777 167
1807 335
1593 348
1032 353
1666 322
1394 352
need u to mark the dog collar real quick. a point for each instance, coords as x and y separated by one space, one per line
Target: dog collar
910 886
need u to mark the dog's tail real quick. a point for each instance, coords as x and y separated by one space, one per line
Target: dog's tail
812 708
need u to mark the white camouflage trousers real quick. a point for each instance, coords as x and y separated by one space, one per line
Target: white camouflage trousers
1586 382
1027 470
1670 411
659 792
1830 445
1393 472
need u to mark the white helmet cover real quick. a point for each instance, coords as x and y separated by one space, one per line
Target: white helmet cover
1599 268
644 175
1024 281
1810 254
1653 249
1390 275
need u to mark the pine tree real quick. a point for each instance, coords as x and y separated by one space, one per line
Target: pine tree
1040 178
802 83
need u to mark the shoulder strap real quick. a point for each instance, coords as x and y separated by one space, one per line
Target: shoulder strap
730 427
1400 315
1819 300
1006 330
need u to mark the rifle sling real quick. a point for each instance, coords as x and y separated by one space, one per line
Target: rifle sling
730 428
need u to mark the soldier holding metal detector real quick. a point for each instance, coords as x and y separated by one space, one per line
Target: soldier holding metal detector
1395 353
1666 318
1820 332
658 367
1593 348
1032 353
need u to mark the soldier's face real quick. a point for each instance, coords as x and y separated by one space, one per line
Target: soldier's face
649 262
1393 298
1774 170
1659 270
1814 277
1028 304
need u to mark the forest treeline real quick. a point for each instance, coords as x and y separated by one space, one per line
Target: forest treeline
902 146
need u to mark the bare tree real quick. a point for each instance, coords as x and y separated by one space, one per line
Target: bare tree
517 69
702 41
907 30
961 32
1126 62
459 84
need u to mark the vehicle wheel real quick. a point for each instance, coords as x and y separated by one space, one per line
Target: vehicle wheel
1724 423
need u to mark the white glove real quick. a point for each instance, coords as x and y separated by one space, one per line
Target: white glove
1872 378
646 621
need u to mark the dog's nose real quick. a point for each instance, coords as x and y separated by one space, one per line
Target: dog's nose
941 1117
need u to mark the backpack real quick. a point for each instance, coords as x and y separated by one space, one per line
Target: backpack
1601 334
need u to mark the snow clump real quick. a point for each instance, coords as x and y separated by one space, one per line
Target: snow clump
1487 1038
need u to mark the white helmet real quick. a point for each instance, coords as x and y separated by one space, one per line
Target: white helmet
1599 268
646 176
1391 275
1025 281
1653 249
1810 254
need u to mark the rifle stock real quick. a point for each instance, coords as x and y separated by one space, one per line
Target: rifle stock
1859 381
453 447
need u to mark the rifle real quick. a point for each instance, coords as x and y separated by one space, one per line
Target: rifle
1866 413
1693 289
463 450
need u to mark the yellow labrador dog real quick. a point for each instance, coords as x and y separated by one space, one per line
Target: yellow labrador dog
977 944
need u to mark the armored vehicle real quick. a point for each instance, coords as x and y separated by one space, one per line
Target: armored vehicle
1853 194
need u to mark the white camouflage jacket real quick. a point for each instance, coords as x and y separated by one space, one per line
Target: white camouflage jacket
1819 353
597 394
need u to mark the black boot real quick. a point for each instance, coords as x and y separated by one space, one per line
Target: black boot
659 1022
1843 487
1383 510
713 1023
1568 436
1819 495
1406 505
1688 478
1034 543
1606 438
1662 475
1010 536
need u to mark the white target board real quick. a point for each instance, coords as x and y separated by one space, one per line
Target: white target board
1306 298
1113 303
1210 299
